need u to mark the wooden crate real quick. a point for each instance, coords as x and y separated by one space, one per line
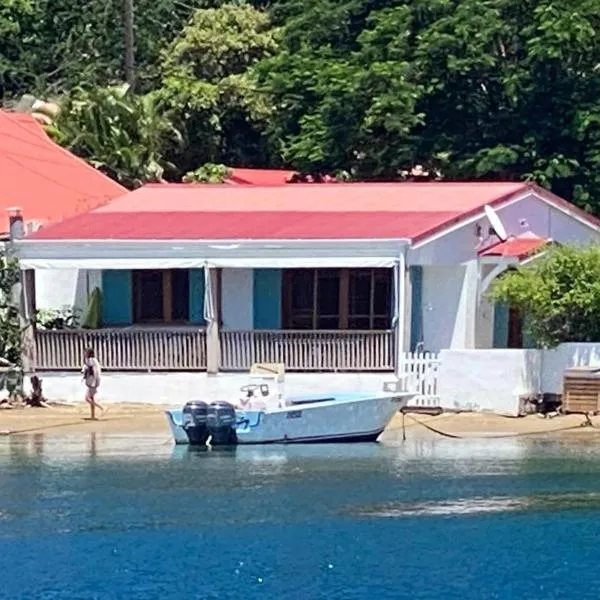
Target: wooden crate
581 390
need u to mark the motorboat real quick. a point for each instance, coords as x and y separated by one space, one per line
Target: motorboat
263 415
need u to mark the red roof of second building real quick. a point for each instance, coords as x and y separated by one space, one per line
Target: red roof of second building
515 247
298 211
259 176
46 181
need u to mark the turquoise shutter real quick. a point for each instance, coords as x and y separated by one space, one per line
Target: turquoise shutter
117 298
267 298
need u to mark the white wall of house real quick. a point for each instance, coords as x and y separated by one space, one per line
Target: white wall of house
529 214
174 389
237 291
449 304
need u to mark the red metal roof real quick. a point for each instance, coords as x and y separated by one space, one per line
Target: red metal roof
259 176
298 211
312 197
243 225
46 181
515 247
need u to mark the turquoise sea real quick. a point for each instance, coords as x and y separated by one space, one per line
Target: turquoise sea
123 517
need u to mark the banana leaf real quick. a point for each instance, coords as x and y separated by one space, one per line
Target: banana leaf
92 316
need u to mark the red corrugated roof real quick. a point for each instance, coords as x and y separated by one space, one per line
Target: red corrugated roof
339 197
298 211
47 182
259 176
515 247
244 225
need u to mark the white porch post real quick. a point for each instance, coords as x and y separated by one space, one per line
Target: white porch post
26 314
211 316
400 310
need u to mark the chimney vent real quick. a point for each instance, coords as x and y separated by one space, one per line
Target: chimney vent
15 223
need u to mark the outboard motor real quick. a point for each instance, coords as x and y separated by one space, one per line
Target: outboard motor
195 415
221 424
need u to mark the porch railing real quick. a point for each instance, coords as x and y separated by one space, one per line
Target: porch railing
127 349
308 350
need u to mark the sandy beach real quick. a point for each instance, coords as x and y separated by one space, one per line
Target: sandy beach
150 419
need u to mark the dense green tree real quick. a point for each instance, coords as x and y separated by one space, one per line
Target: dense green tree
490 89
207 78
49 48
560 294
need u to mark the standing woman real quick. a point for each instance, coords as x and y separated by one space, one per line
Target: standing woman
91 376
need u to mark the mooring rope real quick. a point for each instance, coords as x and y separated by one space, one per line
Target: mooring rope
10 432
586 423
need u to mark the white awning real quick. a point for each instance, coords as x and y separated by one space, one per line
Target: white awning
107 255
199 263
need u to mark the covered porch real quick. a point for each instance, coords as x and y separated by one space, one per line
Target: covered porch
320 306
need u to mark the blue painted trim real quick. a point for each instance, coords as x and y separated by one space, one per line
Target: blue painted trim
117 298
266 295
416 311
196 298
500 339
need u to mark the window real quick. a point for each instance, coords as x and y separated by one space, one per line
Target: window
161 296
337 298
369 298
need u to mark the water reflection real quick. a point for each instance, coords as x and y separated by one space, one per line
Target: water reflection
92 446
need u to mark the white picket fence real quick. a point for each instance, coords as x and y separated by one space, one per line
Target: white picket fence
422 375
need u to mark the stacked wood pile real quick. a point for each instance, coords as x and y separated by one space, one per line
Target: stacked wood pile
581 390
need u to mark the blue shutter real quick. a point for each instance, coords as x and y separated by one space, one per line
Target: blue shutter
416 311
267 298
500 325
117 302
196 300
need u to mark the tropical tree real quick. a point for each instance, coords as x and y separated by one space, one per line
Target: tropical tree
208 80
558 292
123 135
474 89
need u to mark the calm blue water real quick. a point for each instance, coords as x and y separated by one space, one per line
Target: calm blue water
121 517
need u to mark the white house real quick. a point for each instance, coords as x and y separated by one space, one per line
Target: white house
322 277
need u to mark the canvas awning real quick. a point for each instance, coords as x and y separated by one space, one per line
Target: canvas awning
197 255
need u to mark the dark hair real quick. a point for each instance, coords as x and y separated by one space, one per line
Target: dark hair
89 353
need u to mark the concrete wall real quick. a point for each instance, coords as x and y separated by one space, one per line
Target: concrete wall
488 380
554 363
176 388
494 379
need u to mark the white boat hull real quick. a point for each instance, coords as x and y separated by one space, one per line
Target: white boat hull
345 419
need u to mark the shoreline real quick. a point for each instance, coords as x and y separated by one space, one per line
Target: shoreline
140 419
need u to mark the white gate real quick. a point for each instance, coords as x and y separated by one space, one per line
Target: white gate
422 375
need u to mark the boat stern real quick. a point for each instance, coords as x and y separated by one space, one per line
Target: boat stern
175 420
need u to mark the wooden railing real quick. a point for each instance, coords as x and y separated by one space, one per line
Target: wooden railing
126 349
308 350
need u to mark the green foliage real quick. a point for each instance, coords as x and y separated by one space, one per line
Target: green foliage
560 294
124 135
10 330
468 89
208 173
208 80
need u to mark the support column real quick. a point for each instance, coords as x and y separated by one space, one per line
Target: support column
211 316
470 298
407 309
400 312
26 318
